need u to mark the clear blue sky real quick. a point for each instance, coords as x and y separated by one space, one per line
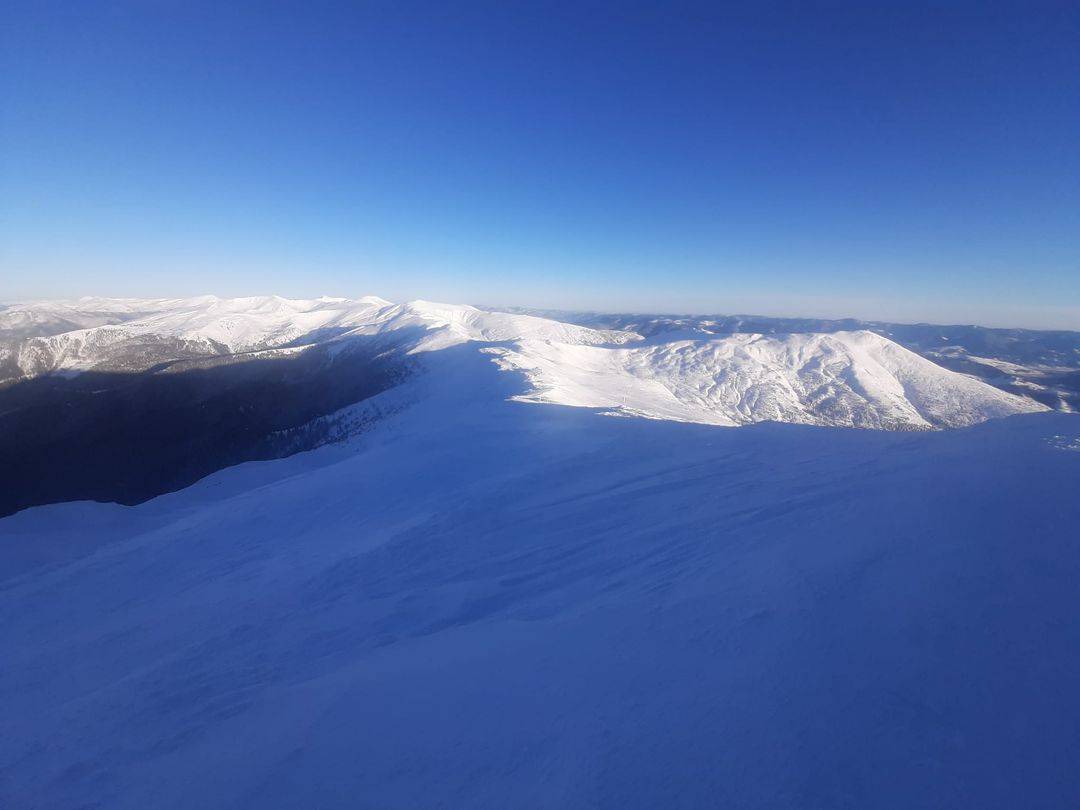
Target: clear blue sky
904 161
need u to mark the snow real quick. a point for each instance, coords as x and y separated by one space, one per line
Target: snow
489 603
497 596
847 378
855 379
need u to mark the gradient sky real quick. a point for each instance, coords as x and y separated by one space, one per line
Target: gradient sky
905 161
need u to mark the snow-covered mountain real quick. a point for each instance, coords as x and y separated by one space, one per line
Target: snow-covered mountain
139 334
1040 364
479 590
854 379
479 602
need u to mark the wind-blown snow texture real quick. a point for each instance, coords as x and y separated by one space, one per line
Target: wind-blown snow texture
486 602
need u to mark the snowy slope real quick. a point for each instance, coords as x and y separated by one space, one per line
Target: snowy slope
855 379
188 327
847 378
1039 364
486 603
142 333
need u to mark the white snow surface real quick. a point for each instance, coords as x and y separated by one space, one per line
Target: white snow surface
856 379
488 603
846 378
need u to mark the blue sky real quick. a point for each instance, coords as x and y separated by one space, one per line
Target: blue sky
907 161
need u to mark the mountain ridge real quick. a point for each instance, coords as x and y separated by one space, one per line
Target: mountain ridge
847 380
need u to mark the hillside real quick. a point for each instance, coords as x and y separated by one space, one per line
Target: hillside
480 602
